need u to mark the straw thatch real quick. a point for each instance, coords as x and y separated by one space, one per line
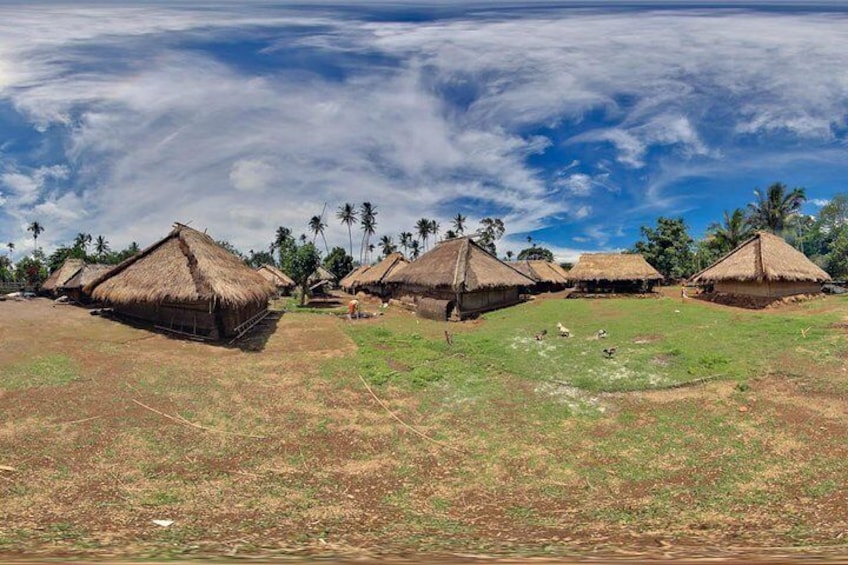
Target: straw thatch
459 265
378 273
275 276
541 271
613 267
186 266
85 276
322 274
61 275
351 280
763 258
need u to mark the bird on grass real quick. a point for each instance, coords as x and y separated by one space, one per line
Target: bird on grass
541 335
609 352
563 331
602 334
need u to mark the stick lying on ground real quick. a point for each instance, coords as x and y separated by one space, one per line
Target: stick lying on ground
181 420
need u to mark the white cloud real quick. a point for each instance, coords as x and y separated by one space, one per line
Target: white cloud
251 175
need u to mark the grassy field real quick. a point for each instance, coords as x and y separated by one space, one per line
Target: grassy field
711 427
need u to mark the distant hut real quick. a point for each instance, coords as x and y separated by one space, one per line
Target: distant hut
281 281
457 279
375 280
74 287
186 283
61 275
322 279
350 283
547 275
763 267
613 273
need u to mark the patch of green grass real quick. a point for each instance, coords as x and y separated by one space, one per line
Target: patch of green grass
49 370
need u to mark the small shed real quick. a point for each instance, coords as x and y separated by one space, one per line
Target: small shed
281 281
186 283
61 275
764 266
626 273
548 276
457 279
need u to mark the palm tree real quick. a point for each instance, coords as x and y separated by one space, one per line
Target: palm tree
387 245
36 229
729 235
775 207
82 240
101 247
459 223
434 229
303 238
371 249
317 225
423 228
415 248
509 255
11 247
347 215
405 239
368 222
450 234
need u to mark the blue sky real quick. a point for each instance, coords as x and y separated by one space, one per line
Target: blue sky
576 122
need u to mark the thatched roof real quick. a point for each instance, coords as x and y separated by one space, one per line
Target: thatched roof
541 271
352 278
61 275
613 267
85 275
322 274
378 273
185 266
764 257
275 276
460 265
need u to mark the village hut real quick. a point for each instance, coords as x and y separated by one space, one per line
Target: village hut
186 283
457 279
613 273
548 276
375 280
279 279
350 283
61 275
74 287
322 279
763 267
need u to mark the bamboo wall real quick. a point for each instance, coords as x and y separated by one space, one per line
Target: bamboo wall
774 289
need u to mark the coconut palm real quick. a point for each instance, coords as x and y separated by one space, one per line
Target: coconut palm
459 223
405 239
415 248
101 247
37 229
317 225
82 240
729 235
387 245
775 206
347 215
434 229
422 226
11 247
368 223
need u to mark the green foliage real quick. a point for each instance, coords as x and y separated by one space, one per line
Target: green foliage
230 247
668 247
31 269
491 230
258 258
725 237
535 252
774 207
302 263
339 263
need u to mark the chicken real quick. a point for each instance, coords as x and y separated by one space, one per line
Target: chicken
563 331
602 334
541 335
609 352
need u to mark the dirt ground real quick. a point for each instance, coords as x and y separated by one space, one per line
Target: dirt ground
276 448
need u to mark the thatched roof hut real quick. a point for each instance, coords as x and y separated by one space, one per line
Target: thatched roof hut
375 279
463 275
351 281
74 286
546 274
763 266
186 282
613 272
275 276
61 275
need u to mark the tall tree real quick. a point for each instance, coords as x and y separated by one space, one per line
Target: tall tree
774 207
405 240
11 247
434 229
282 236
317 225
387 245
459 223
302 265
347 216
535 253
368 223
101 247
81 241
668 247
37 229
491 230
339 263
422 226
414 249
727 236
